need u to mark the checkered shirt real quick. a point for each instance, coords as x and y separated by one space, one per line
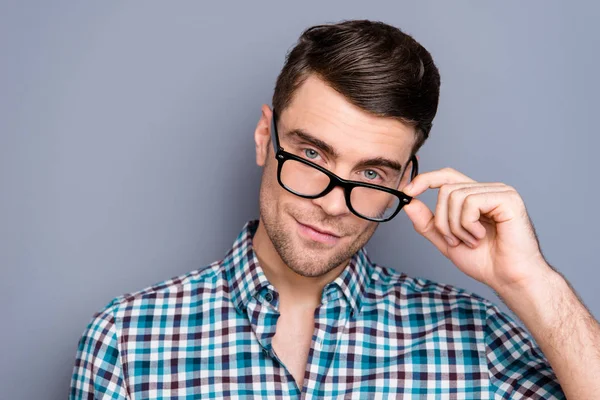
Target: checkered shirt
378 334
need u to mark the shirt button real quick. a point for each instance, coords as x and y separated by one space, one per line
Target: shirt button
269 297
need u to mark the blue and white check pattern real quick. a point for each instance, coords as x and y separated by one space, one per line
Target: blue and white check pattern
378 334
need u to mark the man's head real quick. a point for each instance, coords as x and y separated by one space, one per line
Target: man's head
348 93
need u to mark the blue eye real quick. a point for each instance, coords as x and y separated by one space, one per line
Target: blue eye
310 153
370 174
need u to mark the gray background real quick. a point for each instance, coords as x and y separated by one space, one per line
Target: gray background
127 157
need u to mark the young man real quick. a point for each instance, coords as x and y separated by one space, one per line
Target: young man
297 309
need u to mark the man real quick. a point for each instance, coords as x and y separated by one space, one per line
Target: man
297 309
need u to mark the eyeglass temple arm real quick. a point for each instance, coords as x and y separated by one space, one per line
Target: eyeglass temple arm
274 136
415 167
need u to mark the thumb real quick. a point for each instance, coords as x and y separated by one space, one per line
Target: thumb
423 222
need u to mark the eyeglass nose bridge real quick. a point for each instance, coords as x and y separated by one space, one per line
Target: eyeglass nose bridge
335 181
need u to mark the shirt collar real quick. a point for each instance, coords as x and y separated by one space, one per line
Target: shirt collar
246 278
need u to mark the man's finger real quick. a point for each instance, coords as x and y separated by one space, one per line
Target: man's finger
423 222
471 231
434 180
444 213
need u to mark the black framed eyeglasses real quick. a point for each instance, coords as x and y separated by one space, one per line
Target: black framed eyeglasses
306 179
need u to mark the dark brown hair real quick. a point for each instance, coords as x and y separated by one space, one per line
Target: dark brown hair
375 66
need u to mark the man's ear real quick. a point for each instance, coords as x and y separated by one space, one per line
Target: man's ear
262 135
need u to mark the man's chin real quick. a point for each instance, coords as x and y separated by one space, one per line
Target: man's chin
310 264
312 259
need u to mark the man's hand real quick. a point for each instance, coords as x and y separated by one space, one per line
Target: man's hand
483 228
504 253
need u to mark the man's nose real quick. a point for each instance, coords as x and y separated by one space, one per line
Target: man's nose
334 202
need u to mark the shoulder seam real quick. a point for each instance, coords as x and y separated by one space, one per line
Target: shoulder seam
207 272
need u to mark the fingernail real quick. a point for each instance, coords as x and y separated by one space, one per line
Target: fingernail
470 244
449 240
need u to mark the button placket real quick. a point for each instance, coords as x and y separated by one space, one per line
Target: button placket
319 343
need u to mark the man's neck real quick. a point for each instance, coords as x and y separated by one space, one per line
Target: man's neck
302 290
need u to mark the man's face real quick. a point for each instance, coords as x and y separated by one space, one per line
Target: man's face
322 126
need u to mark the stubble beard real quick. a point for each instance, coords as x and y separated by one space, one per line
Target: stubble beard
305 262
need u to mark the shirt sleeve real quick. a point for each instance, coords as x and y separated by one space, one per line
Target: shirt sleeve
518 369
98 373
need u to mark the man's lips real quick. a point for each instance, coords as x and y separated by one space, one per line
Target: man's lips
319 230
317 235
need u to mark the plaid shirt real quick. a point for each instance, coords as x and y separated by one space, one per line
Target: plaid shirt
378 334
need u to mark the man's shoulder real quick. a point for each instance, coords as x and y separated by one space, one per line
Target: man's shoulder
423 293
171 293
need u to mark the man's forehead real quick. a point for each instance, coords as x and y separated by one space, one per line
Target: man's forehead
322 112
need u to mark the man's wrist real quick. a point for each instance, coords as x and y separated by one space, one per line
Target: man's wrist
534 300
544 277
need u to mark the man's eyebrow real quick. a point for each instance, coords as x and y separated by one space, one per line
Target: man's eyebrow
380 162
302 135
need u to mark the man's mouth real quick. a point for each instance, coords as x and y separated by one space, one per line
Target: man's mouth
318 234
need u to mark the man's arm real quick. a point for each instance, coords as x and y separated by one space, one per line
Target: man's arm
485 230
566 332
